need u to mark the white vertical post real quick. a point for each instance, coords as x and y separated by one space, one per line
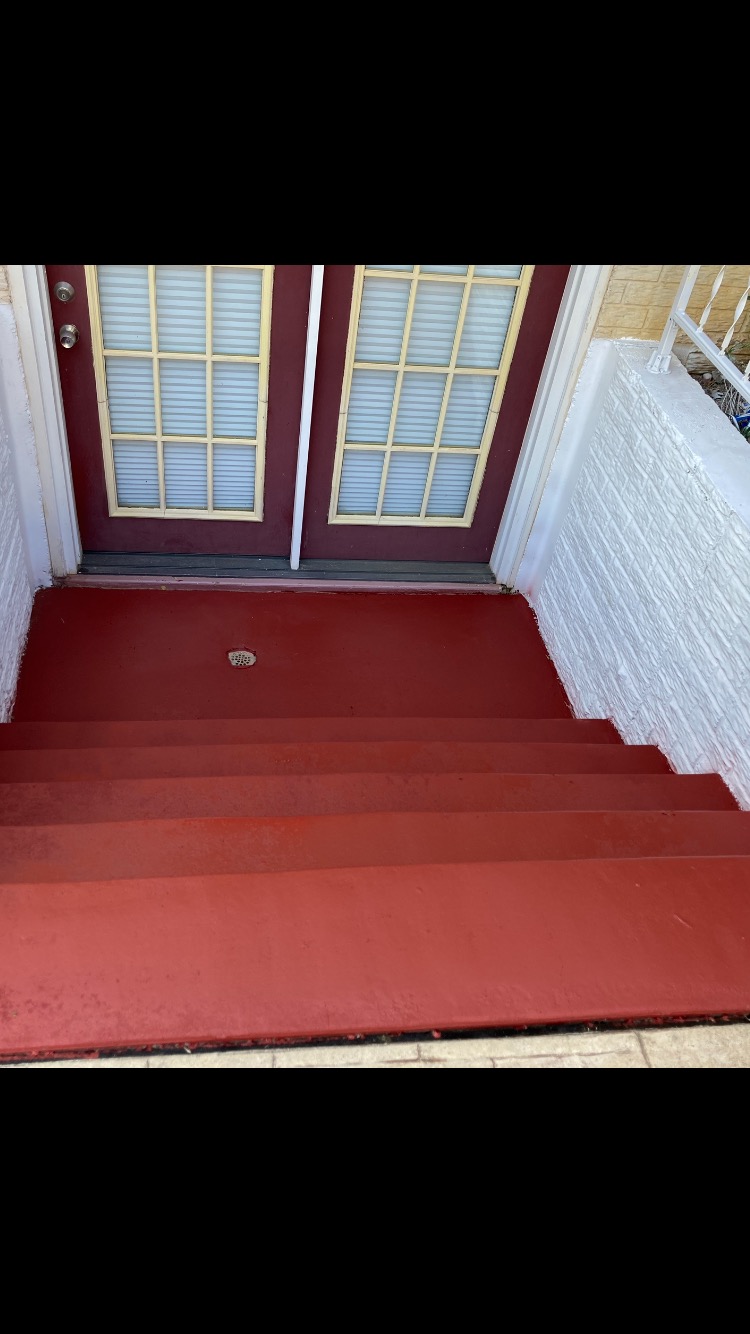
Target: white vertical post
308 387
658 362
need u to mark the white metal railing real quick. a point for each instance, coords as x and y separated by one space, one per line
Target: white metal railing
679 319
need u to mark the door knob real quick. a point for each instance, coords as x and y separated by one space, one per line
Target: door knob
68 335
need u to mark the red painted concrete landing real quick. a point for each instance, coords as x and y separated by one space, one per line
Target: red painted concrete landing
391 823
122 654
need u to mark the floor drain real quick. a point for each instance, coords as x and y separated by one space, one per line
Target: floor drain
241 657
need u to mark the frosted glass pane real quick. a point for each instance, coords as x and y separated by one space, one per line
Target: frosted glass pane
404 489
396 268
234 477
236 398
486 326
370 403
181 307
183 397
451 482
467 411
130 394
123 300
236 311
186 476
433 326
444 268
136 472
360 481
498 270
419 408
381 319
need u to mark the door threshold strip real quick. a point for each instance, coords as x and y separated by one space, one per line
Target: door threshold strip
278 567
262 583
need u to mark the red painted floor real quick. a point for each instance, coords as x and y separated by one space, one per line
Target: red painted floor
114 654
391 823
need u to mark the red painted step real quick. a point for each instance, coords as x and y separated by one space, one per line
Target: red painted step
96 965
226 847
233 731
330 757
332 794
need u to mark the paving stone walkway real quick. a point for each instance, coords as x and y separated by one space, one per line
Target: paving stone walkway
690 1047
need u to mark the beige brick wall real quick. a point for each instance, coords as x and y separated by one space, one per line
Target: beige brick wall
639 297
4 288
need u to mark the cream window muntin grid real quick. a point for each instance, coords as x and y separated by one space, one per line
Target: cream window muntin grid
414 276
162 511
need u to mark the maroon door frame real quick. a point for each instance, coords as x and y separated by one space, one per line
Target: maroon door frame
394 542
99 531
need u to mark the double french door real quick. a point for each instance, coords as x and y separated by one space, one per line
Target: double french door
183 395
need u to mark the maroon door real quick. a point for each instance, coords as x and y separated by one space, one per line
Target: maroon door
322 539
102 532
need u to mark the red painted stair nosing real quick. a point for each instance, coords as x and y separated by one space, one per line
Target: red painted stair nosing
201 731
227 847
330 757
112 799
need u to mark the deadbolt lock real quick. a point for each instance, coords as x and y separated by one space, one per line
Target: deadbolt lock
68 335
64 291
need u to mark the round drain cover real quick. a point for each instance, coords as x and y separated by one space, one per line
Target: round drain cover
241 657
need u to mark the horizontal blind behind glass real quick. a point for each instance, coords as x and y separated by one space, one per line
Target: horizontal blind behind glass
361 472
498 270
381 319
370 403
404 488
185 476
130 394
466 415
136 473
234 477
235 397
124 305
433 325
181 307
237 297
183 397
486 326
419 408
451 483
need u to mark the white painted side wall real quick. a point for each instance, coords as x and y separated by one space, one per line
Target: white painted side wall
643 596
24 555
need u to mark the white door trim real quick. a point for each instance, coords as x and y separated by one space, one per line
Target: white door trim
36 338
581 302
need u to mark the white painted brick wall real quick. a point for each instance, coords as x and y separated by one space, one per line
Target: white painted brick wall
645 605
15 589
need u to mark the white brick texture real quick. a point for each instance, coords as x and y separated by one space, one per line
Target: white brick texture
15 590
645 606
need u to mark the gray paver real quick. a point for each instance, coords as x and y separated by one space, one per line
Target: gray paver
543 1044
600 1060
703 1047
214 1060
373 1054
